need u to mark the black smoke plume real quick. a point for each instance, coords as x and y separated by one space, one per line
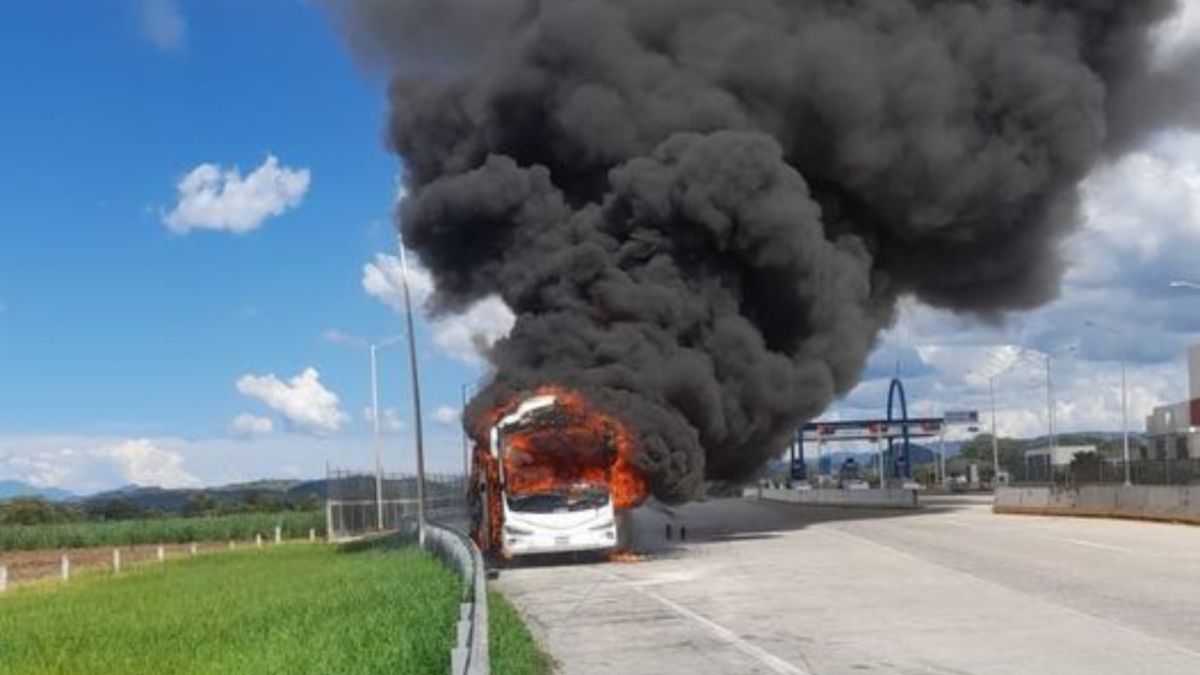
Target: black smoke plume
703 212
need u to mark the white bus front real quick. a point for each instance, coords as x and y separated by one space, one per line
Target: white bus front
559 521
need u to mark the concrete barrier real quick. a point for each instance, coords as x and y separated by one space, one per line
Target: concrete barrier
890 498
1022 498
1172 503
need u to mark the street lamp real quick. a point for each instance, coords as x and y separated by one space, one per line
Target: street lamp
995 441
1051 439
1124 390
1183 283
373 348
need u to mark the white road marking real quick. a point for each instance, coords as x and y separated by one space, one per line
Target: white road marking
759 654
1091 544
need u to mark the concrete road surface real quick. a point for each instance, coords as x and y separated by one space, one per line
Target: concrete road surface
773 588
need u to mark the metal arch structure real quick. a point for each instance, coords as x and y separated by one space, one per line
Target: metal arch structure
901 467
903 428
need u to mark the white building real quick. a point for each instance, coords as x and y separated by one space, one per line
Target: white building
1174 430
1059 456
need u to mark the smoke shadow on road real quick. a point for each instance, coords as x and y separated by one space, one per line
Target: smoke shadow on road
727 521
732 520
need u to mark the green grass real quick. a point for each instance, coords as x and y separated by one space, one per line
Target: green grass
513 649
295 609
158 530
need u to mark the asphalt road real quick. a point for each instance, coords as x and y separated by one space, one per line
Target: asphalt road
772 588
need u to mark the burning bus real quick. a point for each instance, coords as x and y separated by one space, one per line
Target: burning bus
550 473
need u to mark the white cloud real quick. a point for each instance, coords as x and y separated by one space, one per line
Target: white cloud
337 337
1140 213
1182 33
162 23
464 336
87 464
389 419
1142 229
382 280
212 198
467 336
447 415
303 401
44 467
246 425
143 463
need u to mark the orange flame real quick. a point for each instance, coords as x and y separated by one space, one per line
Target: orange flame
579 446
626 556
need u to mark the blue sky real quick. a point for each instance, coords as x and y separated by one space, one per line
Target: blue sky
113 325
139 346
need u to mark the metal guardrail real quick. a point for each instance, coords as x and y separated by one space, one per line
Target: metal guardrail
470 654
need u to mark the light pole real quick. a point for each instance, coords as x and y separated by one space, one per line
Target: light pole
375 437
1183 283
995 442
992 401
416 395
376 441
1051 439
1124 390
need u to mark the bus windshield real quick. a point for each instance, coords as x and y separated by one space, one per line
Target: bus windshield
559 501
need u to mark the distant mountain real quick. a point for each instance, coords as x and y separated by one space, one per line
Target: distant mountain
15 488
267 484
176 500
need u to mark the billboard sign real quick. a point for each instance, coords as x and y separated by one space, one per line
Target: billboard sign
967 417
871 430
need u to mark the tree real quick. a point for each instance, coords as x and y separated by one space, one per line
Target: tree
199 504
36 511
923 474
1085 467
115 509
1010 450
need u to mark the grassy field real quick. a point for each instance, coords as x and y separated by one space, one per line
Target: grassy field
513 649
294 609
158 530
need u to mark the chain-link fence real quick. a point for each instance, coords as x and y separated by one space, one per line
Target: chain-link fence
351 507
1095 470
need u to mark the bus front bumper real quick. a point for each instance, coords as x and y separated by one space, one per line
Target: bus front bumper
519 543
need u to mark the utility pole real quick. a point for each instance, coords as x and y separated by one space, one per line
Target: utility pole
416 395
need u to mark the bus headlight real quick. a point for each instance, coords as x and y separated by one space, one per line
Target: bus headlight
602 526
513 530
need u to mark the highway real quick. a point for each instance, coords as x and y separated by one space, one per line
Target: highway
950 589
